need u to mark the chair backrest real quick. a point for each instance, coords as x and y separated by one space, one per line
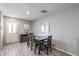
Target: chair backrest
30 36
49 41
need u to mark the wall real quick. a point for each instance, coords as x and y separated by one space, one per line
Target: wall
1 30
65 29
20 27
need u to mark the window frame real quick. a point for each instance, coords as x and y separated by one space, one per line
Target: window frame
47 25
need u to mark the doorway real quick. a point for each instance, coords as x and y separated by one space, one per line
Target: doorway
11 32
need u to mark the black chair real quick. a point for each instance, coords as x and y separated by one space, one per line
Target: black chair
31 38
32 42
44 45
28 40
36 45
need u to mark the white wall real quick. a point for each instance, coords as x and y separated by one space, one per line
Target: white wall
65 29
20 28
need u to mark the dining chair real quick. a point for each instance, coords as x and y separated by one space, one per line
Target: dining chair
28 40
46 44
31 40
36 46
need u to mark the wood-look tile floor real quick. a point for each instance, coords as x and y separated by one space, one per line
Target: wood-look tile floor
21 49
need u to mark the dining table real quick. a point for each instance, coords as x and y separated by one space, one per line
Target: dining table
40 39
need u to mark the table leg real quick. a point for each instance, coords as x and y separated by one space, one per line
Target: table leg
39 47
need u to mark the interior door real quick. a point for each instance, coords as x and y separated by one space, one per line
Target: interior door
11 32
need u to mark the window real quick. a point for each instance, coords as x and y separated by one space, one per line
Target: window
44 27
12 27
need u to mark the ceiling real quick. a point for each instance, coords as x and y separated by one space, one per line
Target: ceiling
19 10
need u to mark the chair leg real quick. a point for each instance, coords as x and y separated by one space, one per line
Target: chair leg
28 44
31 46
47 51
35 49
39 48
50 48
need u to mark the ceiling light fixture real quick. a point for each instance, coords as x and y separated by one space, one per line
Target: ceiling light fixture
43 11
27 12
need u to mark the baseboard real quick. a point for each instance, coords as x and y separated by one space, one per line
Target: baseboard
11 43
64 51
